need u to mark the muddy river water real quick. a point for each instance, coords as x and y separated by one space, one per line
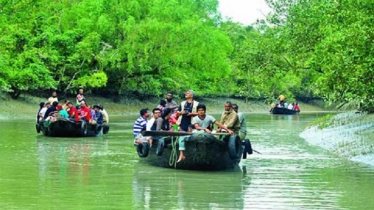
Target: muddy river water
38 172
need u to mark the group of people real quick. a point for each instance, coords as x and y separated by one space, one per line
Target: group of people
52 109
282 103
189 116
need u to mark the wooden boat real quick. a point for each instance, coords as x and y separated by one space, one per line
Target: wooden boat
65 128
281 110
203 151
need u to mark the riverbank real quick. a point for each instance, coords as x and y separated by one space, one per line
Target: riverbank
26 106
349 135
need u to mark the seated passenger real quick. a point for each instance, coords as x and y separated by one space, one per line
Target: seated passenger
290 106
85 112
62 112
105 114
243 125
181 145
92 119
73 112
42 109
98 117
163 121
174 119
152 124
297 107
51 110
229 118
140 125
65 105
201 123
162 104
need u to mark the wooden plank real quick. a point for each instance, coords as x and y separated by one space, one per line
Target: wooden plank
174 133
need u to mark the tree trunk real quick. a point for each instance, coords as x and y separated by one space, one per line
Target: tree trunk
15 93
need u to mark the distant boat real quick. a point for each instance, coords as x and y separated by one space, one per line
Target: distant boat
281 110
203 151
65 128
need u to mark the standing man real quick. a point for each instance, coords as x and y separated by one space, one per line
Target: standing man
243 126
140 125
187 110
230 119
170 103
282 101
80 97
53 98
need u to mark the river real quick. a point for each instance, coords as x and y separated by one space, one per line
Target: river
38 172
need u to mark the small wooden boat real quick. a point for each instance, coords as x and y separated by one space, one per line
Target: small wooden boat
65 128
281 110
203 151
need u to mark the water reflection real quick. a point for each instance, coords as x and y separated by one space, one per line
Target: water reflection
157 188
69 158
284 117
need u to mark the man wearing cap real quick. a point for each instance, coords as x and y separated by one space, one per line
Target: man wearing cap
141 125
187 110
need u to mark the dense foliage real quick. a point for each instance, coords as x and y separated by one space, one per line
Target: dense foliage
131 45
303 49
329 45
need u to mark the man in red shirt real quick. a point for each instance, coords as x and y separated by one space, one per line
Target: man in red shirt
85 112
73 112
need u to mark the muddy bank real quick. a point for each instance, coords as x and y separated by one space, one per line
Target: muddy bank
349 135
26 106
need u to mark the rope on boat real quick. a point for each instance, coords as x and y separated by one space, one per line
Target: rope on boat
173 155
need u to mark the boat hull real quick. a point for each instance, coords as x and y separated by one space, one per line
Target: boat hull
66 128
279 110
203 152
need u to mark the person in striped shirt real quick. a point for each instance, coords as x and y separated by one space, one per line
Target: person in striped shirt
140 125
